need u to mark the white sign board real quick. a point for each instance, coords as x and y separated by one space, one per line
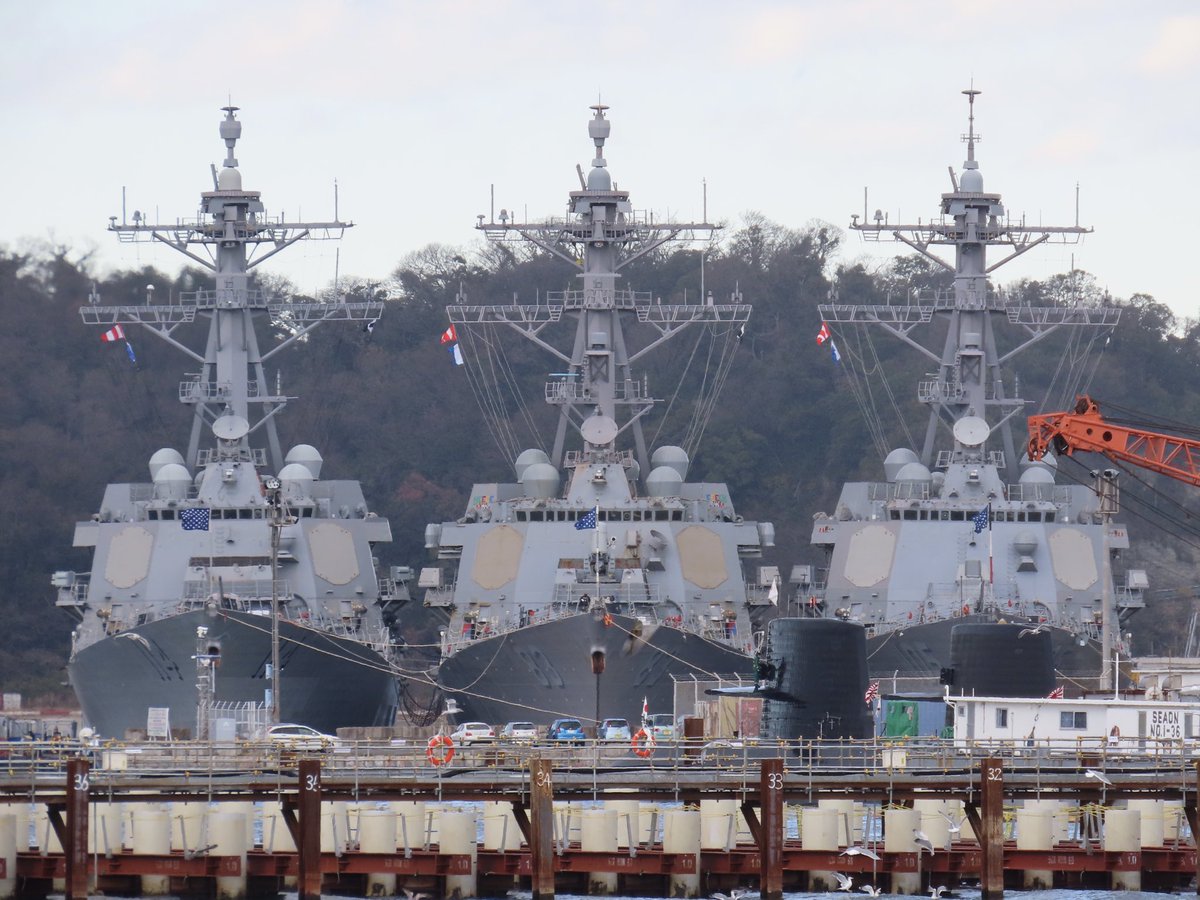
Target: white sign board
158 723
1165 723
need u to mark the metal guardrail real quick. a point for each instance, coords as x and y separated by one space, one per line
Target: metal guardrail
36 761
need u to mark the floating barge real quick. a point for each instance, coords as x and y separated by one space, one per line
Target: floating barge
774 817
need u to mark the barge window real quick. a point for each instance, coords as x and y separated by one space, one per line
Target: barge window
1075 721
1002 718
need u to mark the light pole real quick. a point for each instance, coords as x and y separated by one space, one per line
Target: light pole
275 504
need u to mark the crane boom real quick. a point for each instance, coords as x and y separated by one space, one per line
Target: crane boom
1086 429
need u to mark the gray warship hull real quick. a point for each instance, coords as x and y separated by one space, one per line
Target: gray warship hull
328 682
542 672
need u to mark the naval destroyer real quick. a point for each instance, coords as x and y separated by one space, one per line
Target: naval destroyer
962 531
175 631
601 575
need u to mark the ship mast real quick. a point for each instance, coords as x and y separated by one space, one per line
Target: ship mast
968 380
598 394
232 383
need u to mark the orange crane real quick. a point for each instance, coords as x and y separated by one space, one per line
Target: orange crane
1087 429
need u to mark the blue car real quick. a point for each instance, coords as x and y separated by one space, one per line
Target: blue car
566 730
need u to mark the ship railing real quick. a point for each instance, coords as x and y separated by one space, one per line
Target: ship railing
612 457
144 493
235 297
75 593
945 458
571 391
1058 494
619 299
676 763
196 390
254 455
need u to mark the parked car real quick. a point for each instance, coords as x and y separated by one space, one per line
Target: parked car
566 730
470 732
661 726
300 737
614 730
519 731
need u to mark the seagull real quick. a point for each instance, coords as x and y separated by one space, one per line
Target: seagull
921 839
735 894
369 327
856 850
936 891
871 889
1099 776
954 824
517 894
1039 629
845 882
413 895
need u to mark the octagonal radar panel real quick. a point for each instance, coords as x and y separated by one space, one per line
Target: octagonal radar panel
971 431
598 430
230 428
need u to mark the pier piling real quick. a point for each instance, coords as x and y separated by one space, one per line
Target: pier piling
74 839
770 831
308 830
990 828
541 827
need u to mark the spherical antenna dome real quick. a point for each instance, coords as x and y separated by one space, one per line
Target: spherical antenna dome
634 470
528 458
672 457
1037 475
307 456
1026 542
172 482
971 181
1047 461
664 481
163 457
296 480
897 460
540 481
599 180
914 472
229 179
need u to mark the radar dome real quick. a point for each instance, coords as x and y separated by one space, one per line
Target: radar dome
1026 542
971 181
673 458
1048 461
914 472
1037 475
897 460
540 481
172 482
634 469
527 459
599 180
306 455
229 179
664 481
163 457
297 481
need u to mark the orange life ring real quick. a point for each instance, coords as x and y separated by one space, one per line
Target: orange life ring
643 743
440 750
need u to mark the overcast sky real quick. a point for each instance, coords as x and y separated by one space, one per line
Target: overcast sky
790 109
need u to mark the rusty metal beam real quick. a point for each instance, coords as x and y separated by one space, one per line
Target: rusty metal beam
770 842
991 833
309 827
541 843
75 846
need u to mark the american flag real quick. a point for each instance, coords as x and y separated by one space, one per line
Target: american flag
1056 694
587 520
983 518
872 693
194 518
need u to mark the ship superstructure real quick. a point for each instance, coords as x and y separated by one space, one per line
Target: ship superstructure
964 530
175 617
600 575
